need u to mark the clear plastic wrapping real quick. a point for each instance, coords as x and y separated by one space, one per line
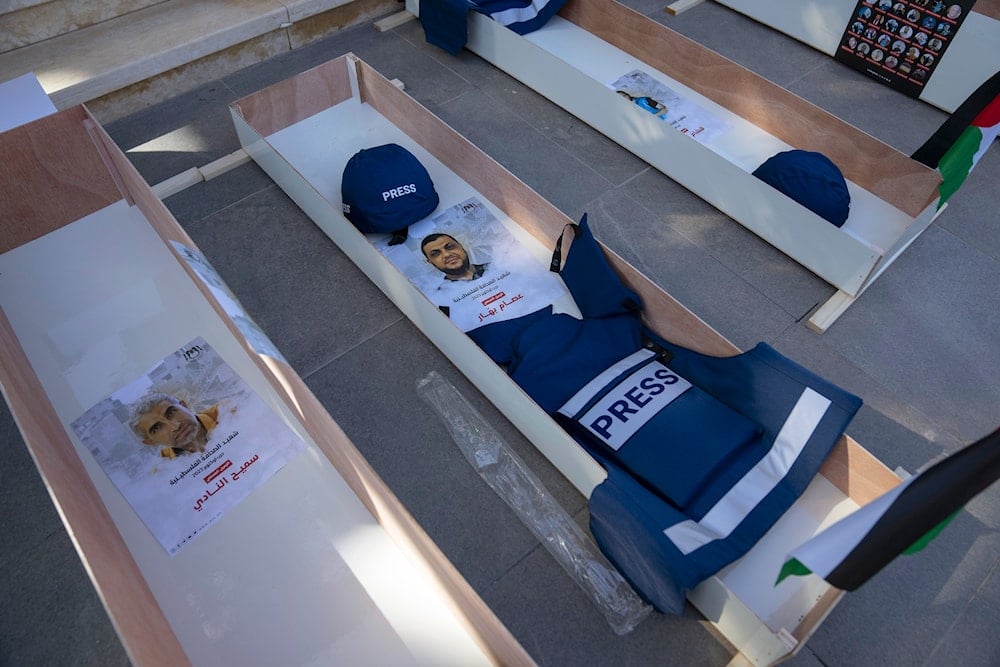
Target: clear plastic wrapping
523 492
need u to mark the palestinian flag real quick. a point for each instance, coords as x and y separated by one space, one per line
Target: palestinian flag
959 143
903 520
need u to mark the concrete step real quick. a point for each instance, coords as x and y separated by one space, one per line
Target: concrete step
27 22
14 5
134 60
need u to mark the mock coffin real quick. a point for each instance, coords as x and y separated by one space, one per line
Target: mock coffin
304 130
102 289
708 123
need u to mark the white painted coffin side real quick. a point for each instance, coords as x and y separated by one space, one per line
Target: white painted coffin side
319 197
348 594
304 160
572 67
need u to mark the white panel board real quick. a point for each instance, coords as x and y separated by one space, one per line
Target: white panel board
22 100
972 57
819 23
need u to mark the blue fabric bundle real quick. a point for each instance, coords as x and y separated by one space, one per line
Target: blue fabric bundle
811 179
701 481
445 21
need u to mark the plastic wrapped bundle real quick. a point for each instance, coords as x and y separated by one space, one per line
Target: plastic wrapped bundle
524 493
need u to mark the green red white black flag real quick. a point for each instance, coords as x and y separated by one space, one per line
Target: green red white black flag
956 146
903 520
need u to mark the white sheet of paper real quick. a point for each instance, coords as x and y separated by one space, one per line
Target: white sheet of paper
23 100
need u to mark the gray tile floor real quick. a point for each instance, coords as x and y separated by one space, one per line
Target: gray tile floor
921 347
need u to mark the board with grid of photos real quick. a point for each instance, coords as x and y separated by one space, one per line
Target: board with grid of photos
900 43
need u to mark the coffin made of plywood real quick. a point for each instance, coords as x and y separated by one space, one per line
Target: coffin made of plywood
576 55
303 130
319 564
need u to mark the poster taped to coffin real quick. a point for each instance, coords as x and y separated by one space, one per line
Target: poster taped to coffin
186 442
467 263
669 106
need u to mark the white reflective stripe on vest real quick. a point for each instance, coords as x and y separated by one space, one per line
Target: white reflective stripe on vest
581 397
746 494
519 14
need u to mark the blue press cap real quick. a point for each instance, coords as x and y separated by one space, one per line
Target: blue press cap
811 179
385 189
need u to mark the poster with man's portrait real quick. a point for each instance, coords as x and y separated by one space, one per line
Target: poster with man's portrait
186 442
666 104
470 266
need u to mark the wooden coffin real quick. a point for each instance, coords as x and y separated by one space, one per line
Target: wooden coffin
302 131
321 563
576 55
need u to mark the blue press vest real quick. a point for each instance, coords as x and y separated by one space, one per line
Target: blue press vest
711 469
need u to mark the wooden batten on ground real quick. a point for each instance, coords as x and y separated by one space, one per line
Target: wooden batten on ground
393 21
675 8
